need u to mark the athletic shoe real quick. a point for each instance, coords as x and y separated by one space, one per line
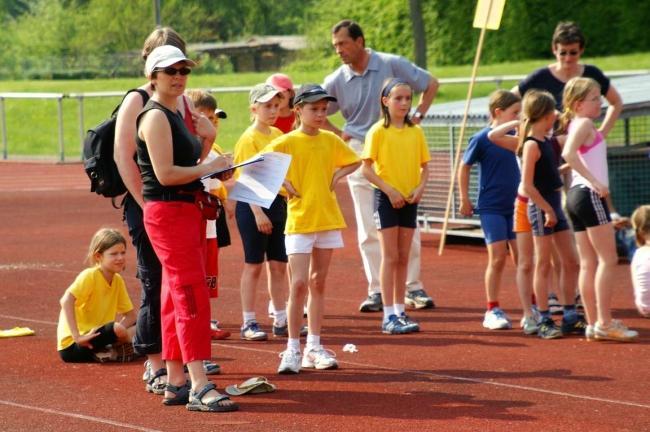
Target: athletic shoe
251 331
549 330
372 304
616 331
283 331
409 325
211 368
319 358
271 310
146 376
529 325
554 306
217 333
496 319
578 326
393 326
418 299
589 333
290 363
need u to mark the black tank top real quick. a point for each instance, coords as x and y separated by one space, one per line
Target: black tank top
547 176
186 152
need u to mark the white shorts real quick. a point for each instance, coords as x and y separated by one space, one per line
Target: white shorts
305 243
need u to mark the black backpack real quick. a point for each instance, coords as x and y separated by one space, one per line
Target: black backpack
98 155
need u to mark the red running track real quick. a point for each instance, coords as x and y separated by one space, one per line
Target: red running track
453 376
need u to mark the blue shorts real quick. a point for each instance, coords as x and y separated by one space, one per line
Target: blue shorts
256 244
497 227
386 216
536 216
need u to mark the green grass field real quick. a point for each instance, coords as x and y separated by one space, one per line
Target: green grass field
32 125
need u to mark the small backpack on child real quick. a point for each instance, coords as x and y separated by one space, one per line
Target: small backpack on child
98 155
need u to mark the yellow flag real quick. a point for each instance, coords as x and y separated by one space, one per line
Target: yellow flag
488 14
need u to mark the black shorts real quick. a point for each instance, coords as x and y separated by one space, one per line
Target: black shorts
258 245
386 216
223 233
537 218
586 208
77 354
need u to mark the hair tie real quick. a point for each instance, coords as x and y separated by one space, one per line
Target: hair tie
391 84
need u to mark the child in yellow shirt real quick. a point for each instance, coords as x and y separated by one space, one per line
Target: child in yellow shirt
395 158
96 310
314 221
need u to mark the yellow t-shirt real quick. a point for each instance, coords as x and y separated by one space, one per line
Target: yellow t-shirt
314 159
97 303
398 155
251 142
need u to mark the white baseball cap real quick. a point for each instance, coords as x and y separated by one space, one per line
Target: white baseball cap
163 56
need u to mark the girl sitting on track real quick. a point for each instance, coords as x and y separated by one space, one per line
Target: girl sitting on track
395 160
641 261
586 153
498 180
96 310
314 221
542 184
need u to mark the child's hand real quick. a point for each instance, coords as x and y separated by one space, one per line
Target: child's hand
85 340
550 219
335 179
416 195
601 189
204 127
396 198
290 189
263 222
466 208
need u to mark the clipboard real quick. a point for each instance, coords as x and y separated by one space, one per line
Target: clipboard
254 159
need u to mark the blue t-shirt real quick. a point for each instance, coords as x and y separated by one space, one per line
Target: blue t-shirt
498 175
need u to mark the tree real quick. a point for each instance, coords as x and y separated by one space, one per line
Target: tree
419 34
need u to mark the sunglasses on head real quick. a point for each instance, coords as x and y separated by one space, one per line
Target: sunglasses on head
171 71
568 53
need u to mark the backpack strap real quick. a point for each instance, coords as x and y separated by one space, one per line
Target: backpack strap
143 93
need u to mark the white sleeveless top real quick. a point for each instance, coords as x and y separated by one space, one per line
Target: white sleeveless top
594 158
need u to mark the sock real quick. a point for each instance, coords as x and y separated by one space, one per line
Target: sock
492 305
399 309
313 341
280 318
388 311
293 344
545 314
249 316
570 314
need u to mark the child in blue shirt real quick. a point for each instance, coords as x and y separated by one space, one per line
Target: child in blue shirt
499 177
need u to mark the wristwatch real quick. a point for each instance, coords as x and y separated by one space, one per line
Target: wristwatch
418 115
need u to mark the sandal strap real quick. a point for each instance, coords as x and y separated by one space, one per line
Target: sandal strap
204 390
175 389
159 373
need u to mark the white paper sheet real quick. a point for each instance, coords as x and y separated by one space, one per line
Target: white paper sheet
259 183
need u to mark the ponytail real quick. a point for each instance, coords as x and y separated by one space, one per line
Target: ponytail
524 129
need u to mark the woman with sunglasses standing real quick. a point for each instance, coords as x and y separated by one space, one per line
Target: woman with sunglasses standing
168 156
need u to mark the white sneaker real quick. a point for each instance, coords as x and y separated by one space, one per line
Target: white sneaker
290 363
319 358
529 325
590 335
148 373
271 309
616 331
496 319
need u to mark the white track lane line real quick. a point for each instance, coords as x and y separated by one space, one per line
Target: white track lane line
428 374
79 416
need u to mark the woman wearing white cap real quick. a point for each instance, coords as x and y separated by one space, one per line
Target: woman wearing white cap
168 156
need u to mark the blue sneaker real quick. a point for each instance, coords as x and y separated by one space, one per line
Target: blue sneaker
393 326
409 325
251 331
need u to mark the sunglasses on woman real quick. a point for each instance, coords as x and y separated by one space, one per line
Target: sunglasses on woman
568 53
172 71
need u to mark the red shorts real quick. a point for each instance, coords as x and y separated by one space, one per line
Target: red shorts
177 233
212 267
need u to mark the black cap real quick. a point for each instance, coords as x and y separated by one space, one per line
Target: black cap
308 93
220 113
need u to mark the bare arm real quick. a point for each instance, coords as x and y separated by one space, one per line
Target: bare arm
156 132
466 207
124 149
342 172
613 110
396 198
427 97
67 306
530 156
499 136
582 133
